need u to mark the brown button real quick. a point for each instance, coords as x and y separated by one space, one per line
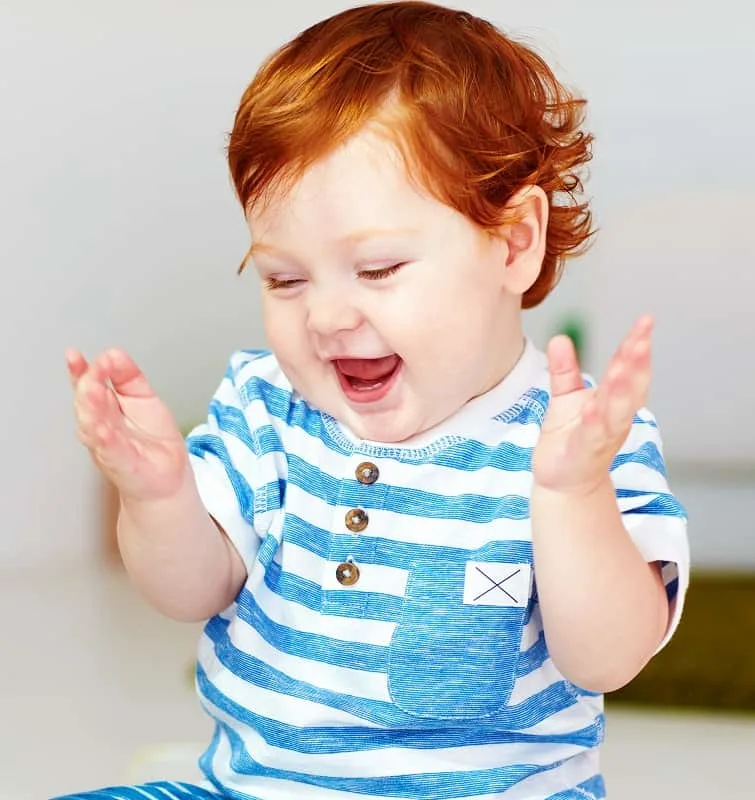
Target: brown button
356 520
367 473
347 573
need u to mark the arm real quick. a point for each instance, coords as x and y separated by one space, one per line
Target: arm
182 562
604 607
177 556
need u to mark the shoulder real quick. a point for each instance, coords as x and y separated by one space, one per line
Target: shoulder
256 376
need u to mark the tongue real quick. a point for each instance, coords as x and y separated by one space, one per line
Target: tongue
368 369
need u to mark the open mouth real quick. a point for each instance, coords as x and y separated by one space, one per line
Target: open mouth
365 380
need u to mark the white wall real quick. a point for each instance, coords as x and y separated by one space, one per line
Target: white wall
118 225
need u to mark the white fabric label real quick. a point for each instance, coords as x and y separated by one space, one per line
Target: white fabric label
493 584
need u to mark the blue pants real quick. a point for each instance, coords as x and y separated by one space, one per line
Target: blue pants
159 790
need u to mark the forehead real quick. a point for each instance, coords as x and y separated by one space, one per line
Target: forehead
361 185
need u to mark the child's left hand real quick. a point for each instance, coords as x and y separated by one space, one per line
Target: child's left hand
584 428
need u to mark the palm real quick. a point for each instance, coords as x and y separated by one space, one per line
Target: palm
130 432
557 457
585 427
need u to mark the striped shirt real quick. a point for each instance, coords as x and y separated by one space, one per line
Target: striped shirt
388 641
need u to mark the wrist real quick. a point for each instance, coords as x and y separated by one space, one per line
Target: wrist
578 491
183 492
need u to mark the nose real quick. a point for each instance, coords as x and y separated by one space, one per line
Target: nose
330 312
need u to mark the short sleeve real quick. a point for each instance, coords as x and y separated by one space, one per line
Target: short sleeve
225 455
654 518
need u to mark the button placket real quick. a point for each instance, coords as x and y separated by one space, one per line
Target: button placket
356 519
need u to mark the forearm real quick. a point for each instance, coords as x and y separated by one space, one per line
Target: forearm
603 606
176 555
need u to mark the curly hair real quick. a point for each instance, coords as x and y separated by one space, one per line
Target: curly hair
476 116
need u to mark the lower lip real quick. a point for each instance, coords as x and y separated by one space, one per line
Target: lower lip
368 395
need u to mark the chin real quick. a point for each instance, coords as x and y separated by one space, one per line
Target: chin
380 428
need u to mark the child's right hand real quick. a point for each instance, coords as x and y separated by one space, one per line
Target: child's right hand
130 433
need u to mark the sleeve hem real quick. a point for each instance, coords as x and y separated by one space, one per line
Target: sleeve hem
214 491
665 539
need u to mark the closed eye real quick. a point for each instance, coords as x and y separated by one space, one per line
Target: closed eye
382 273
282 283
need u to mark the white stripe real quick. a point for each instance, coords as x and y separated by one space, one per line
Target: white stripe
664 539
526 686
214 490
372 578
248 367
531 631
267 703
563 723
399 527
370 685
566 776
304 619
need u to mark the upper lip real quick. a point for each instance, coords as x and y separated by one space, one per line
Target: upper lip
353 357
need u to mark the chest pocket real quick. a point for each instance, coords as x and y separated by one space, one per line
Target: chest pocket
455 652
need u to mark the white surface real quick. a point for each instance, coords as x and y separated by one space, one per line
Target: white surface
118 224
93 683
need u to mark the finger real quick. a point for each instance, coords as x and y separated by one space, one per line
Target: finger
632 364
593 431
94 401
565 374
624 392
619 400
76 364
640 331
126 377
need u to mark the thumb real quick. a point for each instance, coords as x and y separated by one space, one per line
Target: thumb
565 373
124 374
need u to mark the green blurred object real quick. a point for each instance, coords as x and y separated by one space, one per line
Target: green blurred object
575 328
710 661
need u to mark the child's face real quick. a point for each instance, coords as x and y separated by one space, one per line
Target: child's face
386 309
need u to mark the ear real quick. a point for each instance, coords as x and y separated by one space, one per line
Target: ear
525 238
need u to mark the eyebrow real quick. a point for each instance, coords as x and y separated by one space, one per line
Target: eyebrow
350 240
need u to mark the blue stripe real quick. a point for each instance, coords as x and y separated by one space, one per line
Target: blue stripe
647 455
207 758
406 500
358 605
595 786
530 409
269 440
158 790
662 504
531 711
392 553
312 646
340 653
594 789
355 604
425 786
337 739
271 496
534 657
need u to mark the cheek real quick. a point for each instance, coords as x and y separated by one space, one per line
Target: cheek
282 333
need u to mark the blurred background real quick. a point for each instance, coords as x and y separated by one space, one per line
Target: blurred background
118 226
